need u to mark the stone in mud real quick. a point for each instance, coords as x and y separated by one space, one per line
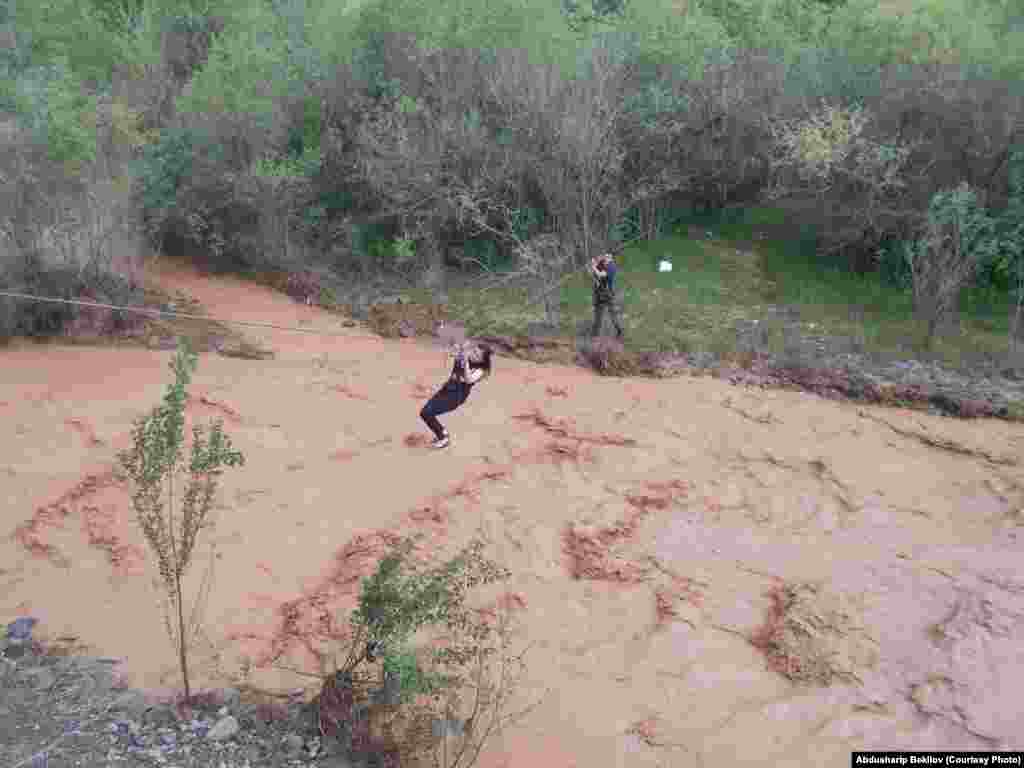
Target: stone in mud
341 761
252 755
161 716
40 678
229 697
15 649
313 747
224 729
76 665
131 703
293 745
258 725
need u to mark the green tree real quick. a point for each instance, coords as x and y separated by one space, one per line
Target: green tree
1009 263
959 236
153 465
679 34
51 101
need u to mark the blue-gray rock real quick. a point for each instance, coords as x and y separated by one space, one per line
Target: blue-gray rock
137 741
21 629
313 747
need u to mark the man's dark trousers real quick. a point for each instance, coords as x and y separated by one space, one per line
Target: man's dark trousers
607 304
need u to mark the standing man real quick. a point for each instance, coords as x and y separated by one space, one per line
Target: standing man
603 269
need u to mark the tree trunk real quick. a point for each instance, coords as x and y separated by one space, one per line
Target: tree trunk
587 245
182 641
435 275
1016 328
553 308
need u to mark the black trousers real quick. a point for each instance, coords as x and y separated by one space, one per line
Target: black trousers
600 307
445 400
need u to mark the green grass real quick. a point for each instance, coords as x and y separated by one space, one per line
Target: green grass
733 276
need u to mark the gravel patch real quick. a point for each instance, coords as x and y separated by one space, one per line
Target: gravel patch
59 711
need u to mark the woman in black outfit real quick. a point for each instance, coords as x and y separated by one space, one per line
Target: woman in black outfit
469 369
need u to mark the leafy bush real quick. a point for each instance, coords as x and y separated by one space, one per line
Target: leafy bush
36 275
768 23
306 164
245 68
959 236
24 318
51 102
164 167
403 665
72 32
188 200
469 674
836 75
304 287
999 270
892 264
344 34
668 36
305 134
1010 262
824 140
117 15
484 253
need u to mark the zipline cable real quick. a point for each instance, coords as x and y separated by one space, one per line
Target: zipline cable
249 323
166 313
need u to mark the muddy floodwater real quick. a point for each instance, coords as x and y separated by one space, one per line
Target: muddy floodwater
708 575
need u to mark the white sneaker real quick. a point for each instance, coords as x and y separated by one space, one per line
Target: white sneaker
442 443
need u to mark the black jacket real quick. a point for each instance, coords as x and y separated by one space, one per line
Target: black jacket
459 378
604 287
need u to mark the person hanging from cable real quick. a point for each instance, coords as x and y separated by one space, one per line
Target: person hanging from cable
602 270
472 364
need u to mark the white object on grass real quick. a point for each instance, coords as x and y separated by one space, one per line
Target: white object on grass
665 266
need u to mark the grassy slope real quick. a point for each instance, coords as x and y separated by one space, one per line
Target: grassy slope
733 276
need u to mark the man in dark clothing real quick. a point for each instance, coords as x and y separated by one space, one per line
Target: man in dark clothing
603 272
470 367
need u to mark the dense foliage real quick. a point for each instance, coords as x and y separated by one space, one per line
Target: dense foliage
441 126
